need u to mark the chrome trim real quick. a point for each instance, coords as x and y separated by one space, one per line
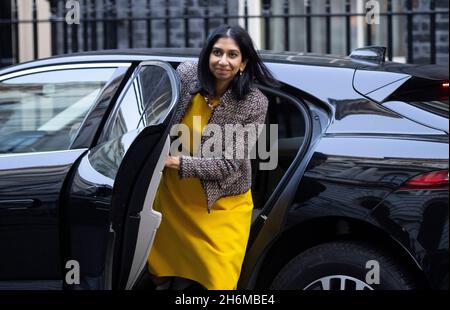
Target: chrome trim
41 153
150 220
64 67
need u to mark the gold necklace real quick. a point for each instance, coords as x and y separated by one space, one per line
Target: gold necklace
210 104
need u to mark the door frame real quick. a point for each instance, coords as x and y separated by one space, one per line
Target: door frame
133 227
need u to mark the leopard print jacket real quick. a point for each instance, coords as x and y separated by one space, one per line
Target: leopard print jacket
222 176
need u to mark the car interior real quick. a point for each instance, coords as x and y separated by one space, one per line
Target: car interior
291 132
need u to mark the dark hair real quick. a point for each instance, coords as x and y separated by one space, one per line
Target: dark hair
255 70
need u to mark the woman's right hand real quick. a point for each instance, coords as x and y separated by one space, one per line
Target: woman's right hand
173 162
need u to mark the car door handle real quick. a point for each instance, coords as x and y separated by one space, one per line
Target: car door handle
15 204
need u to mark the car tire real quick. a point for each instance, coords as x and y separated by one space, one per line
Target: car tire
343 265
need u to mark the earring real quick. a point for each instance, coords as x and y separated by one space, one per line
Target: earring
240 72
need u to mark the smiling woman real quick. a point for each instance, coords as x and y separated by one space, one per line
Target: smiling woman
207 202
225 62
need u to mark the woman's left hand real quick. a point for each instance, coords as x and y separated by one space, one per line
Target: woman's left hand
173 162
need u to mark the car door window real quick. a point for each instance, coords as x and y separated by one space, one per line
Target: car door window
146 102
156 93
43 111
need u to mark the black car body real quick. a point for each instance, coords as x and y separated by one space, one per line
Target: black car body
361 178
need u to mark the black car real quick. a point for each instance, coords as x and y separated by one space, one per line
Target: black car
358 198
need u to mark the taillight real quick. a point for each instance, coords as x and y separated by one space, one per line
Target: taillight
445 84
429 180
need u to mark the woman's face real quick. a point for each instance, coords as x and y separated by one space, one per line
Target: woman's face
225 60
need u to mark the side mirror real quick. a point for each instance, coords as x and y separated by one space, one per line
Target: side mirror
371 54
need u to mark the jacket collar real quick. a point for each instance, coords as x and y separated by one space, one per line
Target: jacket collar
227 97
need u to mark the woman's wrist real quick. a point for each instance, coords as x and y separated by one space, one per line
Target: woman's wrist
173 162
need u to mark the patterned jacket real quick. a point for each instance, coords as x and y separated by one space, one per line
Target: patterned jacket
220 177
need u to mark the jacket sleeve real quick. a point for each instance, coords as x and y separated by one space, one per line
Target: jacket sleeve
221 168
187 71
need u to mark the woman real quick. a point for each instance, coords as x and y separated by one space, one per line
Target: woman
207 202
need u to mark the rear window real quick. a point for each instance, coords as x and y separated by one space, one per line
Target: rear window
428 95
438 107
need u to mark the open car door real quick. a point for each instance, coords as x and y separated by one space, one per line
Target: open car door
41 110
111 223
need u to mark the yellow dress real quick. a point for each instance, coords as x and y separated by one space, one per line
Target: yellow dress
191 243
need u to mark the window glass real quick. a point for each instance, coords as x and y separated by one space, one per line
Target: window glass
43 111
422 100
156 94
438 107
128 115
145 103
426 94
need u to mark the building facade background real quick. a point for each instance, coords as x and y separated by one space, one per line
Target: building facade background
415 31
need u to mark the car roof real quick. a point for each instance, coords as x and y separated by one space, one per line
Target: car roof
142 54
180 54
